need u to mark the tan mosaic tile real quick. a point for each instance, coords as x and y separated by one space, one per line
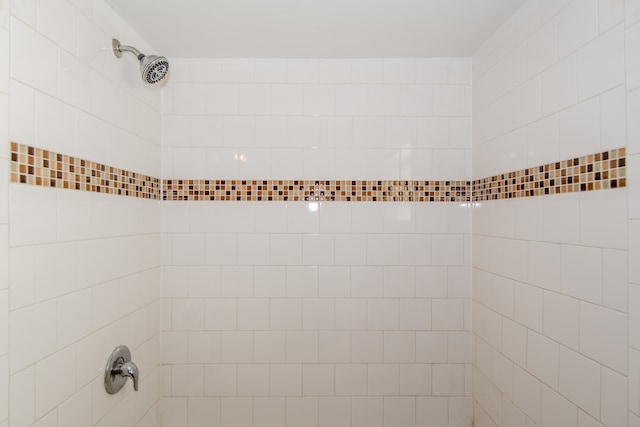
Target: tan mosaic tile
597 171
309 190
35 166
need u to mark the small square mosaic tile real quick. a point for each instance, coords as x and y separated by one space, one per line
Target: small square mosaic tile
35 166
309 190
598 171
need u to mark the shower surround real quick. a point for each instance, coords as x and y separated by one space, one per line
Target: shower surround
317 260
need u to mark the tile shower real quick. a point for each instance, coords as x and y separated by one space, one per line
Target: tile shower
323 242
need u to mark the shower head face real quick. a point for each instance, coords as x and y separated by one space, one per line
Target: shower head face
153 68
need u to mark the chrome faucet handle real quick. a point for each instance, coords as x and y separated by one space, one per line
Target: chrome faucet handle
118 368
128 369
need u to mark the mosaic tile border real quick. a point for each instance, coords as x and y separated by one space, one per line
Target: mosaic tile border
599 171
35 166
310 190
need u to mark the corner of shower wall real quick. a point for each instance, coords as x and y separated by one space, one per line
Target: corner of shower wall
4 215
632 40
83 253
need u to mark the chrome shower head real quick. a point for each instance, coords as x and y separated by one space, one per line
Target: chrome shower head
153 68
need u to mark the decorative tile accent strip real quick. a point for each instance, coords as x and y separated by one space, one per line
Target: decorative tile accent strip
309 190
599 171
587 173
35 166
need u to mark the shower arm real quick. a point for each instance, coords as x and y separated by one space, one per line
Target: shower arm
119 48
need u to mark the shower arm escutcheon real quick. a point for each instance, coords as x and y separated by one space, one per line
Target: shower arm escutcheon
119 367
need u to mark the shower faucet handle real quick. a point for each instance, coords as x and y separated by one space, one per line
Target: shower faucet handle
128 369
118 369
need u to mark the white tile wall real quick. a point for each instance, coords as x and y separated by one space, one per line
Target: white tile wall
70 252
567 62
332 306
567 337
340 290
306 115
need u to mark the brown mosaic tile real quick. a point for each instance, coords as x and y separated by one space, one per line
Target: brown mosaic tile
314 190
35 166
598 171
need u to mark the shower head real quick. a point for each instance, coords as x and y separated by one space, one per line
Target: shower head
153 68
